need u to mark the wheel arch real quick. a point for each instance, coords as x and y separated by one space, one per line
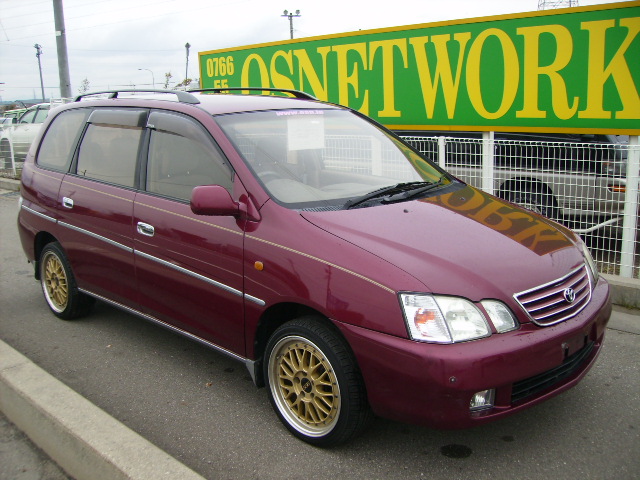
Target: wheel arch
41 240
272 318
516 184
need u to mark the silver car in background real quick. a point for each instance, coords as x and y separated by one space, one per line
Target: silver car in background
578 180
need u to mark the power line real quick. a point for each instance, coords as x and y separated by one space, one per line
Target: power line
48 22
145 17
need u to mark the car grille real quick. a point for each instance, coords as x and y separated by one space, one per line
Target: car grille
533 385
559 300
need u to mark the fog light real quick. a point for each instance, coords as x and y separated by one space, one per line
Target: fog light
482 400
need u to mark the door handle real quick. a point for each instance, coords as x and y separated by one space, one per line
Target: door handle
146 229
67 202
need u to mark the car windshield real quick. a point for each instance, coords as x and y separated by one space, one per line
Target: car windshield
327 158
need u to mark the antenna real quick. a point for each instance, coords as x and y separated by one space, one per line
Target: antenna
549 4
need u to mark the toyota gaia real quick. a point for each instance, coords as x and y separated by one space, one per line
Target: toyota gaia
349 274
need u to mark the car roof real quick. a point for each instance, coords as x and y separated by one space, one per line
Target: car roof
222 103
39 105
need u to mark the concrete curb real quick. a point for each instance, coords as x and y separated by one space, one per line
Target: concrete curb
81 438
624 291
9 184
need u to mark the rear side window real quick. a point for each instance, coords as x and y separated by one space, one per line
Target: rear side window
109 149
41 115
182 155
58 145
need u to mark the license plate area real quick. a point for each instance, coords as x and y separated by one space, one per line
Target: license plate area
573 345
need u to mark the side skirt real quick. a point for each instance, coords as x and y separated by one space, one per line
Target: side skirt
250 364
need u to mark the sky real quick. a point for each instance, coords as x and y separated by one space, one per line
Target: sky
134 43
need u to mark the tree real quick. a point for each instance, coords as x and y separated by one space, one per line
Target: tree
167 78
84 86
185 83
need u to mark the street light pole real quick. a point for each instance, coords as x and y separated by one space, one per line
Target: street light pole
153 78
38 53
290 16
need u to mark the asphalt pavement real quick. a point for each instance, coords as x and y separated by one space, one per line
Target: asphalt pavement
48 431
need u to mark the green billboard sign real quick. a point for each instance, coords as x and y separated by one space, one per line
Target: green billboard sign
569 70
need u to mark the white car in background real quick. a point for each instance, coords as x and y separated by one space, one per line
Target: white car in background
21 134
5 123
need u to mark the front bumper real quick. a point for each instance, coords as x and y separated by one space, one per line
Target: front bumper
432 384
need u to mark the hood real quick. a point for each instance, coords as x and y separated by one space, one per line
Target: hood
465 242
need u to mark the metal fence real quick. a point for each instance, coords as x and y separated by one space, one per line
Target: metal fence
591 188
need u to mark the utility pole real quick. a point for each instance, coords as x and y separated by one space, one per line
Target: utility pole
186 70
38 53
61 44
290 16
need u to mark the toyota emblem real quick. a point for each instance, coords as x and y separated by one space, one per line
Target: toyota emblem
569 295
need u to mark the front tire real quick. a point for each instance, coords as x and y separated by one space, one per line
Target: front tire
314 384
59 285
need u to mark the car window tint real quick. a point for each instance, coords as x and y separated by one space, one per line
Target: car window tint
109 153
57 147
182 156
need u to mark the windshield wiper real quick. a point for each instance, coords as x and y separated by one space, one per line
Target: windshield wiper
394 193
414 192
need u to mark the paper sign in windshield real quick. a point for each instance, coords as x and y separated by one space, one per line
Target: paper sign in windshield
305 132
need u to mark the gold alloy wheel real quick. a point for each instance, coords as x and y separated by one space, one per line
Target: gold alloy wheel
54 282
304 386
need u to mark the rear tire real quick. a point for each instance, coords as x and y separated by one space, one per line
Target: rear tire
314 384
59 285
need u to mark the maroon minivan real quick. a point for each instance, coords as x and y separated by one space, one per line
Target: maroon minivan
350 275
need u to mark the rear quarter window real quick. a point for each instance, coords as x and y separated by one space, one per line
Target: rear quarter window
58 145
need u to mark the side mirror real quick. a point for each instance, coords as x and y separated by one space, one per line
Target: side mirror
213 200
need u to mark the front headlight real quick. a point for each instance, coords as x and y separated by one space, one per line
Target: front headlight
500 316
440 319
589 261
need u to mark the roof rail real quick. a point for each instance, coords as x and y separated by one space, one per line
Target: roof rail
183 97
295 93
